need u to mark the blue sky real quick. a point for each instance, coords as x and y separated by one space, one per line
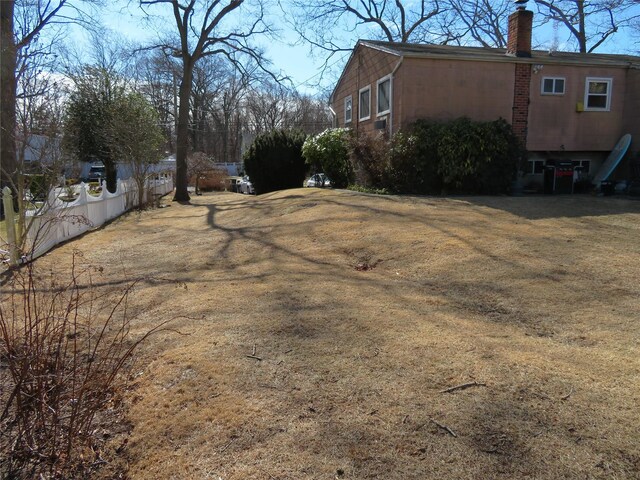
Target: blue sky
292 60
124 18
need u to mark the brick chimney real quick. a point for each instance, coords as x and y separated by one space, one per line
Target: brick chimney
520 26
519 45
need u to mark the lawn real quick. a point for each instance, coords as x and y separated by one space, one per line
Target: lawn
320 331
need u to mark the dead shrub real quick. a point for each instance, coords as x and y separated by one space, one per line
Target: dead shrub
214 179
64 351
369 156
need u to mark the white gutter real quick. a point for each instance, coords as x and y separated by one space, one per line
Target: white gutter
333 114
393 74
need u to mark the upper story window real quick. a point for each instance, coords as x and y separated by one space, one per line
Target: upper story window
597 95
553 86
364 103
348 109
384 95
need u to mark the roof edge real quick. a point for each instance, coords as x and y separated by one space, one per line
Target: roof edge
364 43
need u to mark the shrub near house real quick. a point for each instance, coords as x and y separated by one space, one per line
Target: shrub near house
461 156
475 157
328 152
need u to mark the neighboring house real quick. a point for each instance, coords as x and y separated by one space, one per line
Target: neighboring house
38 150
562 105
125 171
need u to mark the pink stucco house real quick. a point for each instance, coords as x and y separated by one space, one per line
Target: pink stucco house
562 105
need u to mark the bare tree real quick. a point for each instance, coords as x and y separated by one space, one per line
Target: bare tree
480 21
199 163
156 79
209 79
200 32
266 108
227 117
309 114
22 23
270 106
589 23
332 26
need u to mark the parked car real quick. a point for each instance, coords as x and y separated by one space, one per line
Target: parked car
234 184
96 173
318 180
246 186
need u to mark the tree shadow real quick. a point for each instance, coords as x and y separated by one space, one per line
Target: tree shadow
540 207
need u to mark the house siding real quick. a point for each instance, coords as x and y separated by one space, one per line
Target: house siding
556 125
631 113
441 89
366 67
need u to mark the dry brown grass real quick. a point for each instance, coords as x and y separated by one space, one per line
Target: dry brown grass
537 298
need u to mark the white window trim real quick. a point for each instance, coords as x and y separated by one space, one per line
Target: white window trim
384 79
607 108
564 85
348 99
531 166
368 90
581 164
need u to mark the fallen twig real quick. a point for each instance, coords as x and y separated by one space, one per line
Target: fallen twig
566 397
463 386
253 354
445 428
226 446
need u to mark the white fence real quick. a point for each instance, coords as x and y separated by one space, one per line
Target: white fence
59 220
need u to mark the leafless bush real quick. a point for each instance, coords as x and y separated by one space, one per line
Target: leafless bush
369 156
64 350
214 179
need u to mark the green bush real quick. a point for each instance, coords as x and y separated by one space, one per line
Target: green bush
414 161
328 152
477 157
460 156
506 153
274 161
359 188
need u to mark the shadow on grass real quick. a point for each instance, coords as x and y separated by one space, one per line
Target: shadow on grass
559 206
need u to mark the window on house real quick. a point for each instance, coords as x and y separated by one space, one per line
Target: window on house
583 166
364 103
597 95
384 95
553 86
348 109
535 167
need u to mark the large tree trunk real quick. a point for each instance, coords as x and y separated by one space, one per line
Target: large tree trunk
111 175
8 162
182 147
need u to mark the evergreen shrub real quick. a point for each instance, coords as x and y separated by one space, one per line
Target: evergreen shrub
274 161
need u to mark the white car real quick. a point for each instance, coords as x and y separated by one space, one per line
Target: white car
318 180
246 186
